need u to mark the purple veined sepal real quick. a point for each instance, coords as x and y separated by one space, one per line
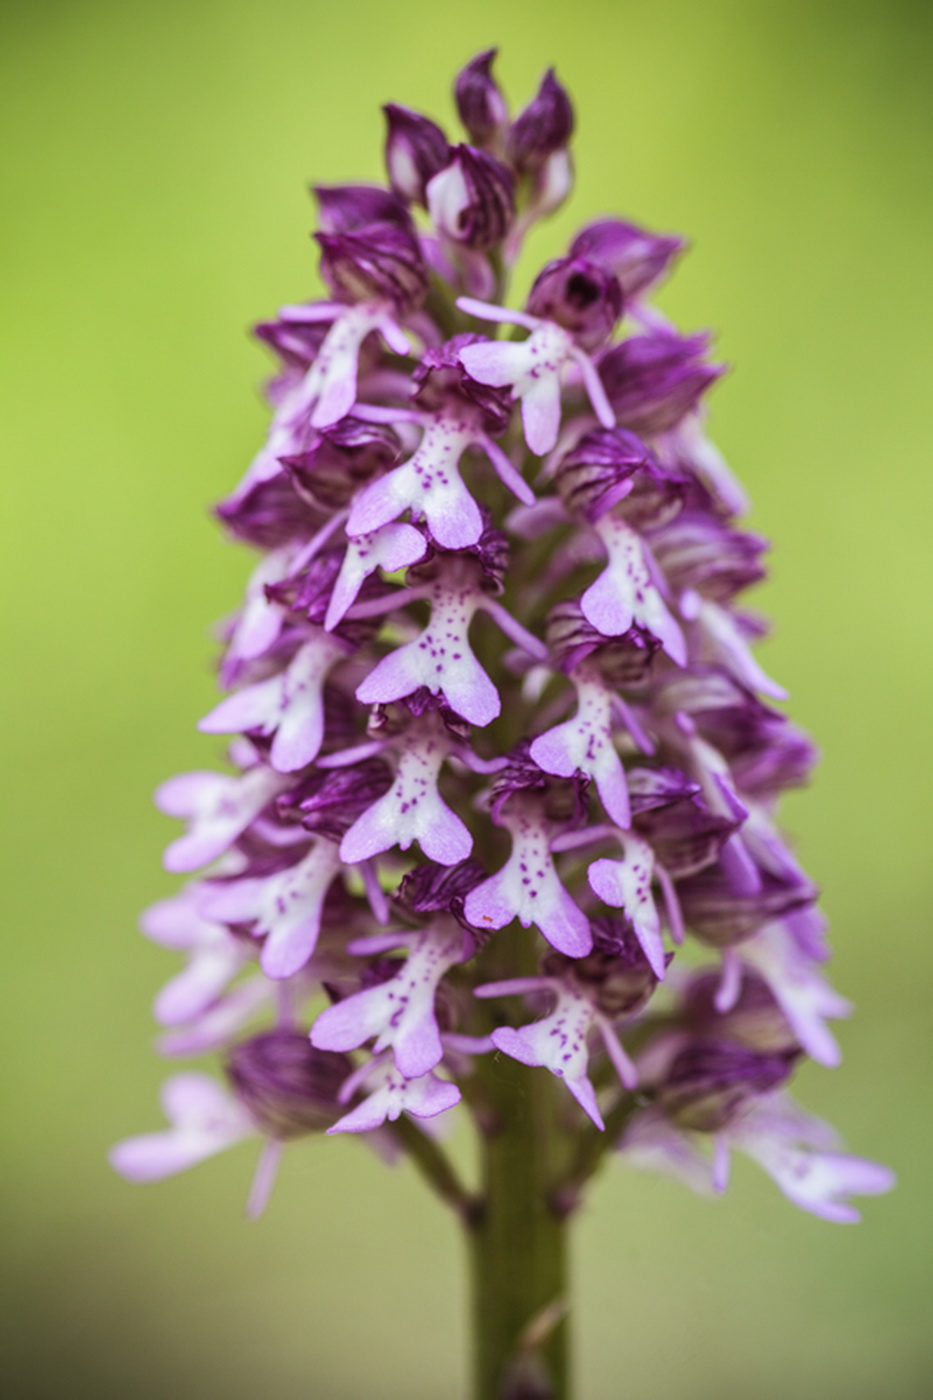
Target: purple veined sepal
218 806
654 381
215 956
429 484
638 258
416 149
560 1040
413 809
534 368
440 658
625 594
399 1014
390 1095
611 469
288 705
537 146
379 262
284 908
347 208
697 550
480 104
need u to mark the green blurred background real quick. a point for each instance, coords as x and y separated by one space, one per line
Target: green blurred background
157 157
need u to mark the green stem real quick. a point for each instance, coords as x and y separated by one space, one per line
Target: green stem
519 1245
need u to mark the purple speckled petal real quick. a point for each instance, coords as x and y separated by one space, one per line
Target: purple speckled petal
400 1012
394 1095
430 485
585 744
558 1042
205 1119
219 808
440 659
412 809
624 593
529 889
285 907
626 884
290 705
816 1181
391 547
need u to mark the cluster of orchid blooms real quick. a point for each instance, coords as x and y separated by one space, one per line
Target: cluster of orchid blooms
490 672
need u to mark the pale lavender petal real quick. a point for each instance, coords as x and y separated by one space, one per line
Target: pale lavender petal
391 547
430 485
585 744
205 1119
653 1144
220 808
528 888
626 884
440 659
541 413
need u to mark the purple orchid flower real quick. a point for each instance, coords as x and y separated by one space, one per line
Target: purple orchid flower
574 805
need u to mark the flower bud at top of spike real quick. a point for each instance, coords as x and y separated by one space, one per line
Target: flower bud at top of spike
343 458
441 381
288 1087
544 127
472 200
482 107
379 261
579 295
709 1081
416 149
638 258
346 208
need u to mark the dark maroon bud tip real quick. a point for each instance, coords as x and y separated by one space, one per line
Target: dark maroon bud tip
416 149
579 295
480 103
545 126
